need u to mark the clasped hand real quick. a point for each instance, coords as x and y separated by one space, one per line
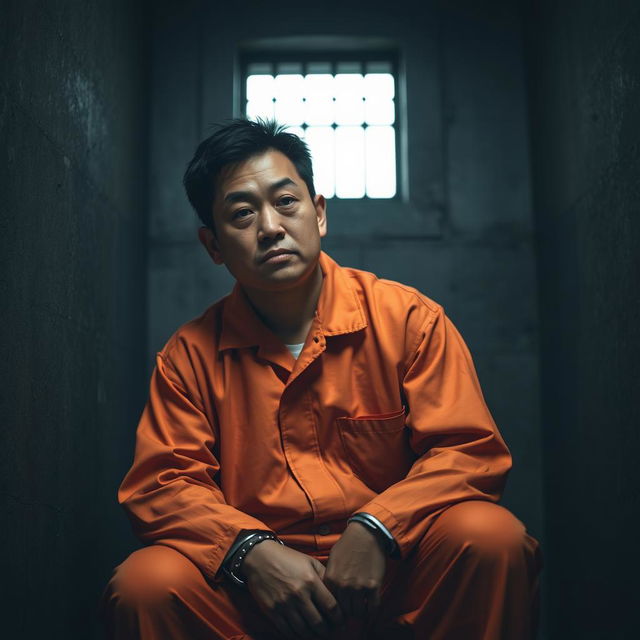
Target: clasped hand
306 600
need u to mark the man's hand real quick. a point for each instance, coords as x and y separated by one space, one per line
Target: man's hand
287 586
355 571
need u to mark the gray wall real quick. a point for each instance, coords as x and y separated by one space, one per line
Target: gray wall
462 234
73 87
584 69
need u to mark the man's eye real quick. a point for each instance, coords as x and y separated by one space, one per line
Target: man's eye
240 211
286 201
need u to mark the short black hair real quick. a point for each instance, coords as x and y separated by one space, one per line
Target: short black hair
232 143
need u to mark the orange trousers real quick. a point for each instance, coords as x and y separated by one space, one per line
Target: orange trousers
473 576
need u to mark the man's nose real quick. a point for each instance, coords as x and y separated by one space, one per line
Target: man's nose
269 223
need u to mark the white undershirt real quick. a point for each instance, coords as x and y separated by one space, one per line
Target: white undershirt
295 349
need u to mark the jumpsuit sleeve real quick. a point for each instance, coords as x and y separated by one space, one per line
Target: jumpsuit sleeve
461 454
169 493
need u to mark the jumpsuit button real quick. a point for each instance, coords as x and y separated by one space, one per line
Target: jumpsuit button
324 529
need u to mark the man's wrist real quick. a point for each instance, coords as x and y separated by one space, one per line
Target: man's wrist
232 564
377 528
370 533
253 560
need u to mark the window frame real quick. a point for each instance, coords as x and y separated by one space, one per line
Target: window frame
333 57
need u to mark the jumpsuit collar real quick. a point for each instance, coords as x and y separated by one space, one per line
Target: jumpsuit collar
339 311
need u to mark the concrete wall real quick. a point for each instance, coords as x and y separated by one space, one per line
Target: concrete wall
462 233
584 69
73 87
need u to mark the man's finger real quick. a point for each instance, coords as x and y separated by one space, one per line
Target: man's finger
314 619
297 623
319 568
359 604
374 602
346 603
327 605
283 627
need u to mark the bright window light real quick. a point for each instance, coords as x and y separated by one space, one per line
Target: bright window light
345 112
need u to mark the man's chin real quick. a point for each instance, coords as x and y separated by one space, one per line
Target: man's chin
279 279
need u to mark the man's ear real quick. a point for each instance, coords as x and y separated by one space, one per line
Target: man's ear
320 205
210 243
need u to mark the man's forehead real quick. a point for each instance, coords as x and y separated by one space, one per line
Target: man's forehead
269 166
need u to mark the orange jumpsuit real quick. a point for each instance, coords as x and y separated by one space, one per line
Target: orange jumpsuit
382 412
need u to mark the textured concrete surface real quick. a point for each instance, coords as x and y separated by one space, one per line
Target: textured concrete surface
584 71
72 245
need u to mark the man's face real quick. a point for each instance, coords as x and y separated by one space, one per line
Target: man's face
262 204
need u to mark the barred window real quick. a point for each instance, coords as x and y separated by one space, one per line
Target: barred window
344 108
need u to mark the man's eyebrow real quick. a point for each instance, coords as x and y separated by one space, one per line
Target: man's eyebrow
239 196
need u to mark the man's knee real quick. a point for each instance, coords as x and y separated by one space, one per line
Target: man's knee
152 575
483 529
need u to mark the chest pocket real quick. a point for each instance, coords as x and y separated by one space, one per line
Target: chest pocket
377 448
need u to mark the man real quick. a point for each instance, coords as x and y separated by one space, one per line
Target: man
311 395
